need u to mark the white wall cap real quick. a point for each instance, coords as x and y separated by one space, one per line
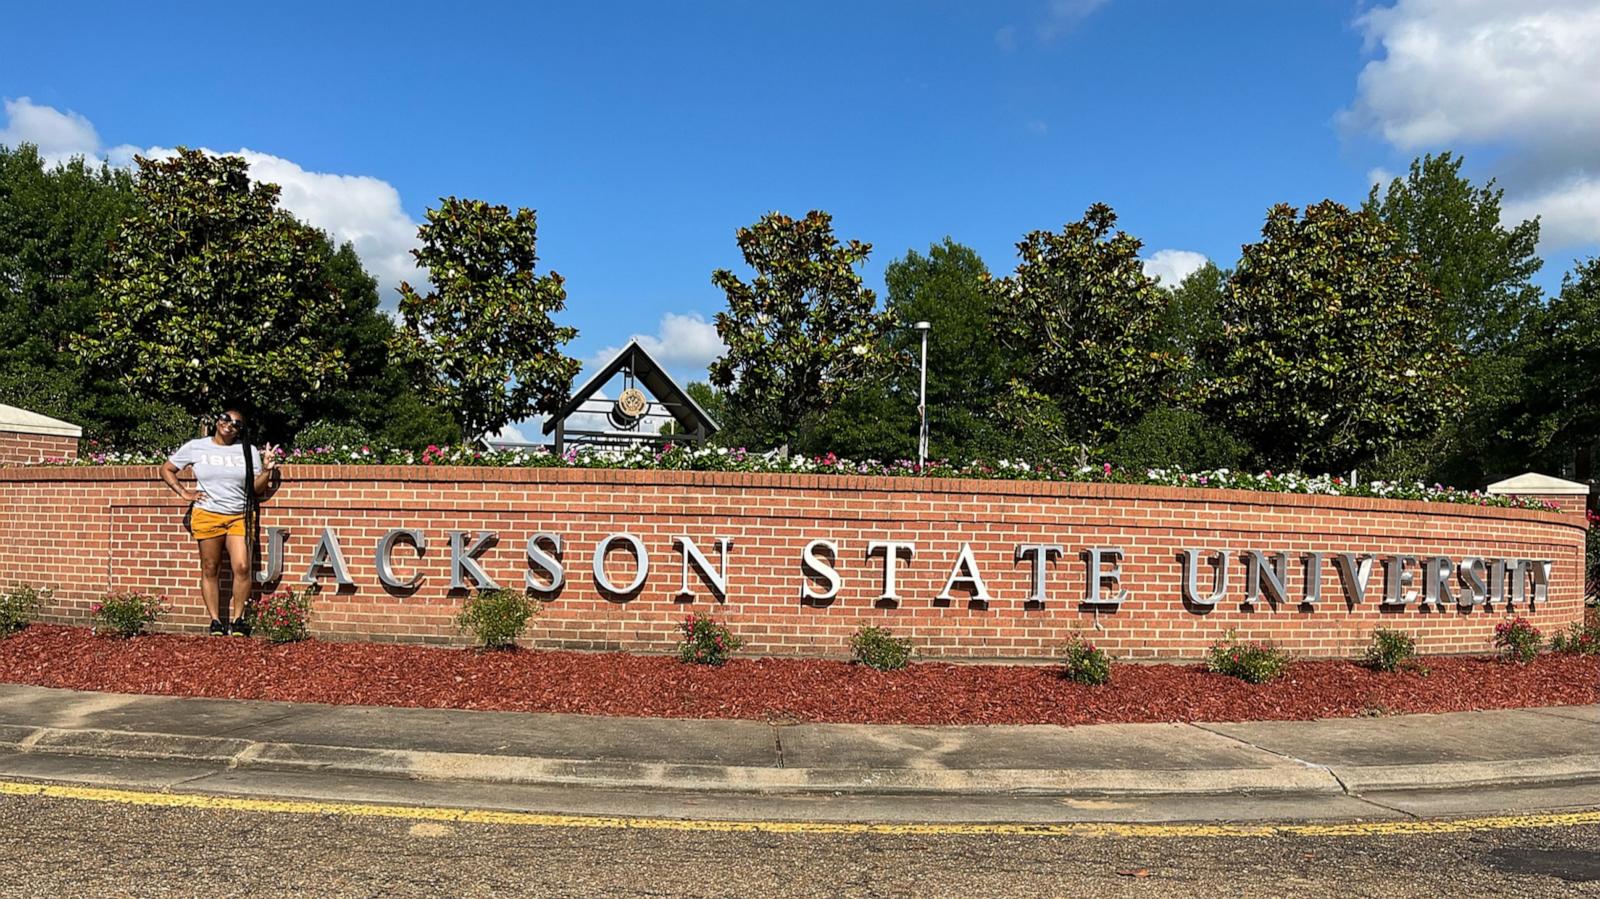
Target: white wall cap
1532 484
21 421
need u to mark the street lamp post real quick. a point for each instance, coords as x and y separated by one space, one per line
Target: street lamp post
922 400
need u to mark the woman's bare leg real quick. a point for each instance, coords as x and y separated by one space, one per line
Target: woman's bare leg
210 569
239 561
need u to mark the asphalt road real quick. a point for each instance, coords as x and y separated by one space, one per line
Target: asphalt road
71 847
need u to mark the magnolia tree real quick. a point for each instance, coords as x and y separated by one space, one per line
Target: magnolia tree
1087 332
212 294
800 333
482 343
1333 349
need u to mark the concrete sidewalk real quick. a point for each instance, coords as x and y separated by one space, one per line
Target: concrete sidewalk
1544 747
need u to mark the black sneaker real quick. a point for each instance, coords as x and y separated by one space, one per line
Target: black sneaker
241 628
217 629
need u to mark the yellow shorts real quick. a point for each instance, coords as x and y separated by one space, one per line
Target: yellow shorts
207 525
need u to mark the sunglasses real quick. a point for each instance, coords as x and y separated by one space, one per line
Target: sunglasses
236 422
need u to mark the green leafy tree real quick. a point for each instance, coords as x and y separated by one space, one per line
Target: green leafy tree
56 225
482 343
1482 269
1085 325
377 400
1193 320
707 398
1561 408
1334 350
212 294
800 334
966 368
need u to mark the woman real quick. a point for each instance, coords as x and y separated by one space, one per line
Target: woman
217 517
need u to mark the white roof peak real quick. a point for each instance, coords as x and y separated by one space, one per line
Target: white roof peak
21 421
1533 483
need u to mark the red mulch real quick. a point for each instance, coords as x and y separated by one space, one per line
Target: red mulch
765 689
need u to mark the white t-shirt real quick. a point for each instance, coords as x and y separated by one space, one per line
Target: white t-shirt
219 469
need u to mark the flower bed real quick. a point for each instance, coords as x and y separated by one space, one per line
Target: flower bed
769 689
690 458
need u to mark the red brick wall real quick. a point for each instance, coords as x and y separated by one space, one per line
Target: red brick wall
21 449
84 531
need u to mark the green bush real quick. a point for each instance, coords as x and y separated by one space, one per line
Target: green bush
1175 438
495 618
876 648
332 434
1254 662
1577 639
1084 663
284 616
20 607
705 641
1518 640
127 614
1390 650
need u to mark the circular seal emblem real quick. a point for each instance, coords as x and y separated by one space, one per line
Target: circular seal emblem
628 409
632 402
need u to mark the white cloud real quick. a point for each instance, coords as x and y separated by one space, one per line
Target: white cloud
1061 15
363 210
1569 211
1170 267
58 135
509 434
1379 177
683 344
1057 18
1521 78
1480 70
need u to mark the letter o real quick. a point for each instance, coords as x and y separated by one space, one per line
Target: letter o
604 547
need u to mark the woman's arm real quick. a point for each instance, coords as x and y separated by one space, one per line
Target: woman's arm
269 463
169 476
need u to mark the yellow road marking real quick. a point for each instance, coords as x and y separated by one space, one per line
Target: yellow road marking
532 819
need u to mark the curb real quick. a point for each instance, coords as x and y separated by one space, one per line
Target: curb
1303 779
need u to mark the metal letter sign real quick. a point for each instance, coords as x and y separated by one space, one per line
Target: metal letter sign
329 555
604 547
385 562
1468 583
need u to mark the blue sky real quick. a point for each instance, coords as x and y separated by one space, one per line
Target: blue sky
645 133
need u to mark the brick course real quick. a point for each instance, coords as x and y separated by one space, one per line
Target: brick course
86 531
20 449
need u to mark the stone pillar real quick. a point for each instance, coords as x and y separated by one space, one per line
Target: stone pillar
1571 496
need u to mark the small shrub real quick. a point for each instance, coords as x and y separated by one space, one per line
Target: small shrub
20 607
284 616
705 641
1518 640
333 434
127 614
1084 663
1390 650
876 648
1253 662
496 618
1577 639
